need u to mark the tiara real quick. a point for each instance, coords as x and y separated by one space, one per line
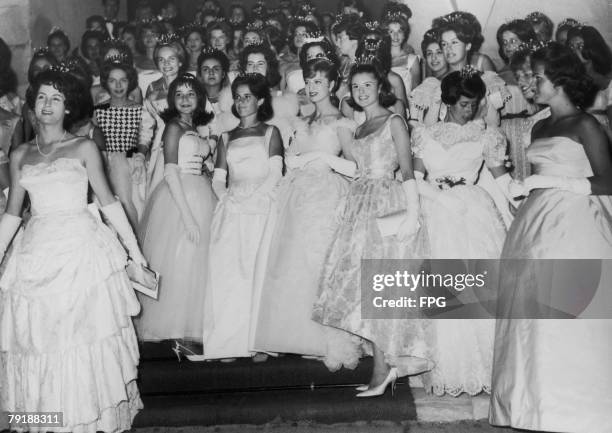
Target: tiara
151 20
210 50
372 25
117 59
366 59
569 22
468 71
313 37
394 16
234 22
254 26
168 38
431 34
307 9
372 44
65 67
57 29
187 76
535 17
532 46
41 51
187 29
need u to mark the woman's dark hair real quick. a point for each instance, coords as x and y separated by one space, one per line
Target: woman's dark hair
458 84
124 51
59 34
91 34
520 28
200 115
595 48
326 46
187 30
153 26
386 97
211 53
96 19
275 38
258 85
78 102
566 25
465 25
377 48
357 4
352 25
538 18
8 78
308 25
220 25
272 74
42 53
564 68
395 8
431 36
397 18
520 57
329 69
129 70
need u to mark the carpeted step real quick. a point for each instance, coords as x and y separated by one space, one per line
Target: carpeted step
325 405
160 374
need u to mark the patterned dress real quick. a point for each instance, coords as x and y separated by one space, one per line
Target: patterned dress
374 194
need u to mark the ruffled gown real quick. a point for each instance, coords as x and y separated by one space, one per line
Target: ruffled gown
182 265
310 200
241 232
554 374
462 349
374 194
66 336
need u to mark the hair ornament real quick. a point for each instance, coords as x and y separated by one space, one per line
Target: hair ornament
57 29
168 38
468 71
187 29
366 59
372 25
313 37
570 22
152 20
41 51
254 26
532 46
395 16
535 17
65 67
210 51
371 44
118 59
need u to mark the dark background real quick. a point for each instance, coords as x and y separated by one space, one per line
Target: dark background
187 7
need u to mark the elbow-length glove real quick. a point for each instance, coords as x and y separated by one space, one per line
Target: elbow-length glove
410 225
219 182
116 216
336 163
577 185
173 179
275 174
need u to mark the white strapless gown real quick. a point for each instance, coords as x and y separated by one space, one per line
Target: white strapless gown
66 336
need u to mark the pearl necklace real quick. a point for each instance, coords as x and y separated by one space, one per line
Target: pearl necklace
53 142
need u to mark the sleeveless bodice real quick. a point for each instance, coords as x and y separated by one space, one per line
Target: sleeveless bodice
375 153
449 150
59 186
247 160
191 144
559 156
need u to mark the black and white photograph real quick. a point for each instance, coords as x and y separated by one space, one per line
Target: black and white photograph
306 216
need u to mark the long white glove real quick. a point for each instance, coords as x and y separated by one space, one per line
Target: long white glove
410 225
116 216
504 182
449 201
8 227
577 185
173 179
274 175
338 164
219 182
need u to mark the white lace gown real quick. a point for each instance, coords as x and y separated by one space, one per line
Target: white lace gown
310 201
462 349
554 374
240 234
66 305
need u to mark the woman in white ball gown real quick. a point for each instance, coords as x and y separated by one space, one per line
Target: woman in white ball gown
66 303
554 374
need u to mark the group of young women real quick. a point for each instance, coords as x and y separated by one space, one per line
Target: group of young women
256 184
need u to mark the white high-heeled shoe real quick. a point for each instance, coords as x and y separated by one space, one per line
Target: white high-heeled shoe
380 389
179 350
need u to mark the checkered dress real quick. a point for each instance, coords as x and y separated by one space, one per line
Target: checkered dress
120 126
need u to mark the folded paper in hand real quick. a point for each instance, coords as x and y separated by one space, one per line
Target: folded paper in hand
389 225
144 280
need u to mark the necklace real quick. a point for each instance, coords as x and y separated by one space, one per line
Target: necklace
249 127
53 142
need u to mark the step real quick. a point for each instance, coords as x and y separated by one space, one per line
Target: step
161 374
324 405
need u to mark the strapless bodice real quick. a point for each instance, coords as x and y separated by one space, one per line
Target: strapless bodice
191 144
59 186
559 156
375 153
